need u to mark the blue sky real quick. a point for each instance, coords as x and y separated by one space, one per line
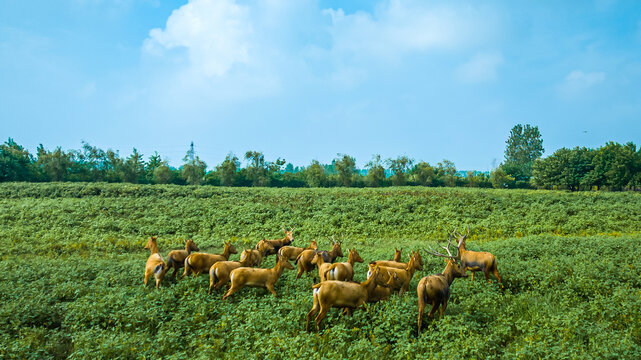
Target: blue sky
306 80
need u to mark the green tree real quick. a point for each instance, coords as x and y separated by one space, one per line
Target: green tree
228 170
257 168
345 167
54 165
375 171
193 169
500 179
162 175
315 175
522 147
614 166
399 166
133 169
446 172
423 174
16 164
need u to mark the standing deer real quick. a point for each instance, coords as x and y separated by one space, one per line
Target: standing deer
477 260
278 243
199 263
155 264
176 258
342 271
292 252
435 289
266 278
305 263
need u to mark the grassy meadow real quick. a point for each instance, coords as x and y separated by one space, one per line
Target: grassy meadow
72 264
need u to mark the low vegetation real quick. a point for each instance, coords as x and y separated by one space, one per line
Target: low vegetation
72 265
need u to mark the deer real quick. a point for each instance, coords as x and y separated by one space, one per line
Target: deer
399 265
278 243
176 258
397 254
305 263
342 271
199 263
219 273
340 294
477 260
292 252
266 278
435 289
402 277
257 255
155 264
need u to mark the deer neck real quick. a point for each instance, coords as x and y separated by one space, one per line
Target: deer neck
333 253
448 274
153 248
369 285
350 259
278 269
226 252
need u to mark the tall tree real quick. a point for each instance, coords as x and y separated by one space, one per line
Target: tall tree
345 167
55 164
399 166
423 174
257 168
193 169
446 172
16 164
375 171
228 169
133 169
522 147
315 175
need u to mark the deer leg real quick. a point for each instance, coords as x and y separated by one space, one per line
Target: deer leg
496 273
472 271
312 312
147 275
443 307
435 305
321 315
231 290
270 287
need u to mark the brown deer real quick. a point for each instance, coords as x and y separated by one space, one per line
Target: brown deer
342 271
257 255
397 254
278 243
305 263
219 273
292 252
435 289
199 263
266 278
403 276
477 260
176 258
399 265
155 264
340 294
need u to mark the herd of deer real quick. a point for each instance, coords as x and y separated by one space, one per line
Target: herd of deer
336 287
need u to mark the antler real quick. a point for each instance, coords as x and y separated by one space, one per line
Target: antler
447 248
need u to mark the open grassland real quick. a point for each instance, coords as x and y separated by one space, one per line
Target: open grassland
72 263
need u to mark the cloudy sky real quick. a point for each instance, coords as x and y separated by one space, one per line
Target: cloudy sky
304 79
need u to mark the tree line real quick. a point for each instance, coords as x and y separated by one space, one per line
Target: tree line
612 167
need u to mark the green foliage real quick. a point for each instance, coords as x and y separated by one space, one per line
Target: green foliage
72 265
345 166
522 147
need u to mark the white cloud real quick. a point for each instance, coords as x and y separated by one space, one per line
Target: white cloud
398 27
481 68
578 82
216 34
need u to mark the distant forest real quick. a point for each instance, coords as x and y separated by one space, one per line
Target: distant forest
612 167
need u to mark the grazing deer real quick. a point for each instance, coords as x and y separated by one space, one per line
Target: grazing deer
477 260
266 278
176 258
292 252
340 294
155 264
219 273
342 271
278 243
435 289
199 263
305 263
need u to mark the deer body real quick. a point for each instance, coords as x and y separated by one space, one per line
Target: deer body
340 294
266 278
397 279
479 261
292 252
305 263
278 243
435 290
155 264
199 263
176 258
342 271
398 265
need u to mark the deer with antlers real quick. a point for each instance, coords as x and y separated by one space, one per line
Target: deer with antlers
477 260
278 243
435 289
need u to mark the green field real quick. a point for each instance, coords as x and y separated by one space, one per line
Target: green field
72 267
